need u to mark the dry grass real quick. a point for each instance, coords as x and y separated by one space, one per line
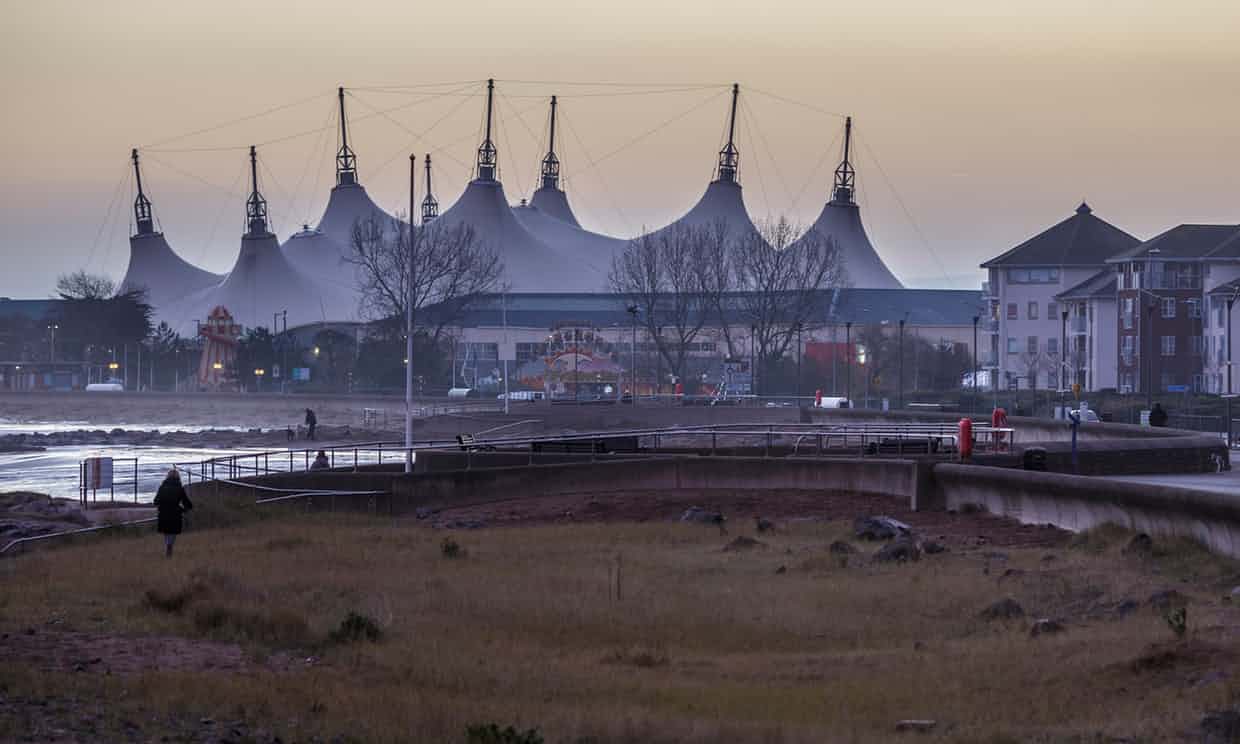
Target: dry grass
706 644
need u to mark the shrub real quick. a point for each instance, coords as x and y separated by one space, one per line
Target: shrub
275 627
356 627
490 733
450 548
175 602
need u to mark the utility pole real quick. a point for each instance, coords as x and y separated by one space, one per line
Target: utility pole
848 352
409 298
504 310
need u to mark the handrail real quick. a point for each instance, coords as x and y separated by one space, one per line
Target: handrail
97 528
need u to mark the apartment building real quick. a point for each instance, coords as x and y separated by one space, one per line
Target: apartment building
1026 322
1172 293
1093 342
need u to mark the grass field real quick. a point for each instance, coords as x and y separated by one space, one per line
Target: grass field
782 642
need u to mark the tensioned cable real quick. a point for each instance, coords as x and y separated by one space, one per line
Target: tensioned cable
537 144
658 127
817 169
748 111
187 174
433 150
315 151
250 117
618 94
503 130
107 216
925 243
568 124
109 237
397 123
280 215
399 88
795 102
219 216
766 197
606 84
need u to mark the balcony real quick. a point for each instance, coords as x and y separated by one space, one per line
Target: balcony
1128 358
986 295
988 325
1078 325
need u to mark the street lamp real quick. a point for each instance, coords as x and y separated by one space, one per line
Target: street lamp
51 354
973 407
848 351
901 397
632 310
799 354
258 377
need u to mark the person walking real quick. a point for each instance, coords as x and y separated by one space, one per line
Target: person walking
172 502
312 422
1158 416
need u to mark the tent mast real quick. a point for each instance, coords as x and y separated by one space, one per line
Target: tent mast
486 153
141 205
256 205
346 161
551 164
729 156
845 175
430 207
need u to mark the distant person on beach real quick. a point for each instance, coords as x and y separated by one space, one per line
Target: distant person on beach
172 502
320 462
291 434
312 421
1158 416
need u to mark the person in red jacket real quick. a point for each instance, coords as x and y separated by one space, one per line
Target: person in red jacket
999 420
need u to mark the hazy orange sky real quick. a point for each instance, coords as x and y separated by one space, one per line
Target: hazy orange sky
989 120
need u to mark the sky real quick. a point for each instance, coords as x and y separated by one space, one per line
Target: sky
978 123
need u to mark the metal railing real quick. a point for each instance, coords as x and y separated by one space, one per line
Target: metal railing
863 439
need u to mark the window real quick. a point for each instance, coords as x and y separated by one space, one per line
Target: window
1126 382
1198 343
1031 345
1168 345
1197 383
1033 311
1168 307
1013 347
1011 314
1126 315
1194 308
1052 346
1052 380
1033 276
1052 311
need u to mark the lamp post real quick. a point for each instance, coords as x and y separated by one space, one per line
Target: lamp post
976 365
258 379
409 298
1149 365
1063 356
799 354
848 351
753 362
632 310
901 388
1231 301
51 350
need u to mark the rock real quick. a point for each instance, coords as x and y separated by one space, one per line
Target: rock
930 547
763 525
1141 544
1166 599
1045 626
1220 726
1126 607
701 516
920 725
1004 609
879 528
1012 573
425 512
901 550
839 547
781 570
742 543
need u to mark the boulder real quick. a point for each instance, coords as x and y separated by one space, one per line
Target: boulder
839 547
699 515
1045 626
1005 609
901 550
879 528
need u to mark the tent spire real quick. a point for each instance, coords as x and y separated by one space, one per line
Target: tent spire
729 157
256 205
486 153
845 175
346 161
430 207
141 205
551 164
413 180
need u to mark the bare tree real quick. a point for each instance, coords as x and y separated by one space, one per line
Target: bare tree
662 274
446 267
81 285
780 279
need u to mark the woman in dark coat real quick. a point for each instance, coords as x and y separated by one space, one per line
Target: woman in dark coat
171 501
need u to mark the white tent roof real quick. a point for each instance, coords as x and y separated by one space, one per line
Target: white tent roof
723 200
865 269
591 251
554 203
530 264
165 276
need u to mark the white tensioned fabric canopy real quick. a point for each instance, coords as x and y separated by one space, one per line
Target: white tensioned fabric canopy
323 252
553 202
723 201
591 251
165 276
264 283
864 268
530 264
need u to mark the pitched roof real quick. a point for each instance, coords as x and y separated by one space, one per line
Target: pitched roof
1102 285
1182 241
1226 289
1080 240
